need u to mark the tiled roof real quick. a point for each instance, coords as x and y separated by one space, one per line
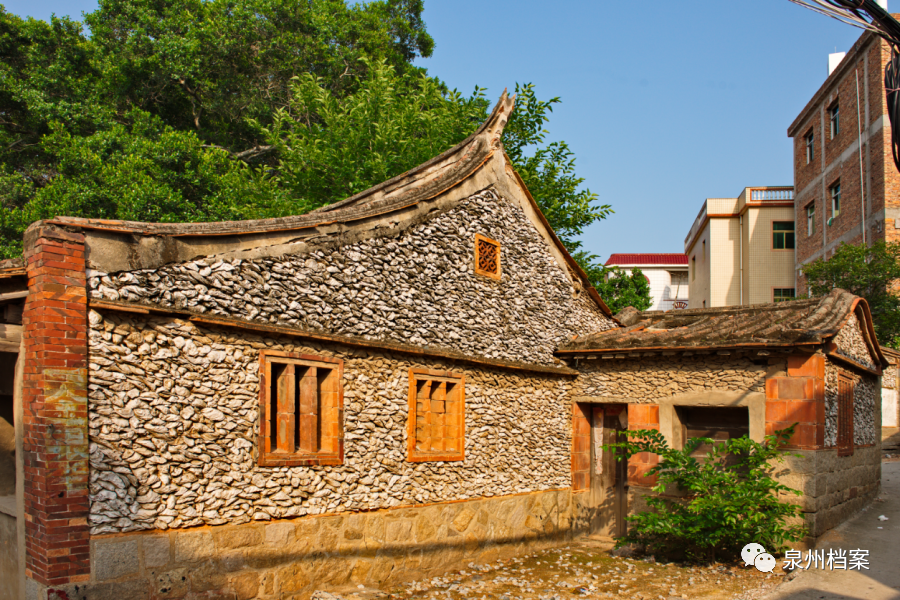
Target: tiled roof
785 324
647 259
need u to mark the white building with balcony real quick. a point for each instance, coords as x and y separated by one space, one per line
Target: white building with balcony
667 274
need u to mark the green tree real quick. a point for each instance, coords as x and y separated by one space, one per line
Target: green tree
617 288
726 500
867 271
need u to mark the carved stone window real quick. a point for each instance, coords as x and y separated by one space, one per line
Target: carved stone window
487 257
301 410
436 427
845 416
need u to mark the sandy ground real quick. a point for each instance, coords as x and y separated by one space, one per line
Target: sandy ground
585 569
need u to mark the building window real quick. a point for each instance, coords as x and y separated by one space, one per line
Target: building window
836 199
704 250
810 147
487 257
834 115
436 426
810 219
693 268
301 410
845 416
783 235
782 294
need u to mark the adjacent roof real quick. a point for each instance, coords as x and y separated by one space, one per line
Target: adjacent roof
647 259
785 324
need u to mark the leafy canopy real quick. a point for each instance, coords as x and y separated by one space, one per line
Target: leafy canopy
617 288
726 500
867 271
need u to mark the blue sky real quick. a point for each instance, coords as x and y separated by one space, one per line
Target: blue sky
664 103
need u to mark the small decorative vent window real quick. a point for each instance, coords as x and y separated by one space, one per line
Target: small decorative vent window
301 410
436 427
487 257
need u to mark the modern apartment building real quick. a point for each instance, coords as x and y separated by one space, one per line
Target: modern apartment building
846 185
741 250
666 273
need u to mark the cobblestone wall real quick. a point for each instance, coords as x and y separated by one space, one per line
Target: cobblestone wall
652 378
174 418
417 288
865 394
850 343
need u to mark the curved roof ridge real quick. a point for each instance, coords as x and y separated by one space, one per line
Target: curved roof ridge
423 182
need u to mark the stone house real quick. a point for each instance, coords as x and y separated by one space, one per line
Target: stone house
384 388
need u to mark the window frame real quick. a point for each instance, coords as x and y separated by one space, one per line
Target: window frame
835 196
413 454
694 268
810 219
782 298
834 117
784 234
845 416
483 239
334 423
810 146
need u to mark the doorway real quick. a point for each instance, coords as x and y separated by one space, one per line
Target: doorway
609 477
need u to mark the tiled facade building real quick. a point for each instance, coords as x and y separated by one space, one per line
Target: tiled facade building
667 275
741 250
847 189
396 385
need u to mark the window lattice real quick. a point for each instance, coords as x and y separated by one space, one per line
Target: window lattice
487 257
436 416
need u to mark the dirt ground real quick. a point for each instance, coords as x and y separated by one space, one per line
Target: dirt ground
582 569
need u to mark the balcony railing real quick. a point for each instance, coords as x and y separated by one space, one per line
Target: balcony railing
772 195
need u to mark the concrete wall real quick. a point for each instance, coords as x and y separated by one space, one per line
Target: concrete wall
289 559
9 561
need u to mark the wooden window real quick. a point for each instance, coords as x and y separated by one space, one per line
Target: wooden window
782 294
718 424
301 410
487 257
782 235
436 427
845 416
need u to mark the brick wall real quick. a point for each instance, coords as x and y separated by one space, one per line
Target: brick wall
642 416
55 407
799 398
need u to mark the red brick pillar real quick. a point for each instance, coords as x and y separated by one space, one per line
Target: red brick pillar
799 398
54 398
581 446
642 416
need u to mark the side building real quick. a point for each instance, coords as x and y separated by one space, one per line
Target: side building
847 189
667 275
741 250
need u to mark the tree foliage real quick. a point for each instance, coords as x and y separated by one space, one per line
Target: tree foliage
867 271
726 500
194 110
617 288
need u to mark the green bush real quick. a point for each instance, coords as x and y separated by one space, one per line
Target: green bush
724 502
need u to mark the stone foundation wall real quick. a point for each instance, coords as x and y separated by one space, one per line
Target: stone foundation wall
651 378
834 487
9 558
174 412
289 559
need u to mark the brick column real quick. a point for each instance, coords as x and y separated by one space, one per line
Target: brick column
54 398
799 398
581 446
642 416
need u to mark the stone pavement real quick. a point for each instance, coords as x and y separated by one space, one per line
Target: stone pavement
867 532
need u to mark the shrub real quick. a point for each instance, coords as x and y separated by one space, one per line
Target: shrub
725 501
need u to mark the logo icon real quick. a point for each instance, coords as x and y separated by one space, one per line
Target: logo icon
750 552
764 563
